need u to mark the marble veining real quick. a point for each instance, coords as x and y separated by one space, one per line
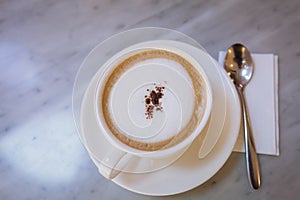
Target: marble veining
43 43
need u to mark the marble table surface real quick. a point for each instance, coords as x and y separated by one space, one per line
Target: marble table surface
43 43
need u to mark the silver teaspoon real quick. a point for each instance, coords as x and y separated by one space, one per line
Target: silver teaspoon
239 66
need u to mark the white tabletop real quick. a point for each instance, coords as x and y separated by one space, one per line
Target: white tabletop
43 43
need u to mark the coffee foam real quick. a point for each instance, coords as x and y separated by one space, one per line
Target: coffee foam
183 102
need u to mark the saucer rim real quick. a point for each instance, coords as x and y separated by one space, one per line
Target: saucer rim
117 180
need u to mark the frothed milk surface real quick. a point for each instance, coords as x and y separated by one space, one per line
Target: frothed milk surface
174 115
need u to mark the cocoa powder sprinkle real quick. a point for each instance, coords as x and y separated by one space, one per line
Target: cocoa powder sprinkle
152 101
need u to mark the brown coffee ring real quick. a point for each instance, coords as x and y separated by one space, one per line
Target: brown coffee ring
127 63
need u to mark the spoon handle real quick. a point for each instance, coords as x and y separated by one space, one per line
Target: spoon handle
250 150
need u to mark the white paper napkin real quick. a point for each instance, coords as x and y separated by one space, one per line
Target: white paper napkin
262 100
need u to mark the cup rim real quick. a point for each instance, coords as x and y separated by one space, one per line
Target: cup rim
106 68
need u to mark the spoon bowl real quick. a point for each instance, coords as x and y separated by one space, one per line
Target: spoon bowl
239 64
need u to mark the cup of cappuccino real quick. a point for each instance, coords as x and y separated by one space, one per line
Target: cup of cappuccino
151 102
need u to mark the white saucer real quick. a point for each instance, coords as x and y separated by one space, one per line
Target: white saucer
188 171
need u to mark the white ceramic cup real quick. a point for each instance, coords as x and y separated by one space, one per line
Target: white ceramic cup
128 107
